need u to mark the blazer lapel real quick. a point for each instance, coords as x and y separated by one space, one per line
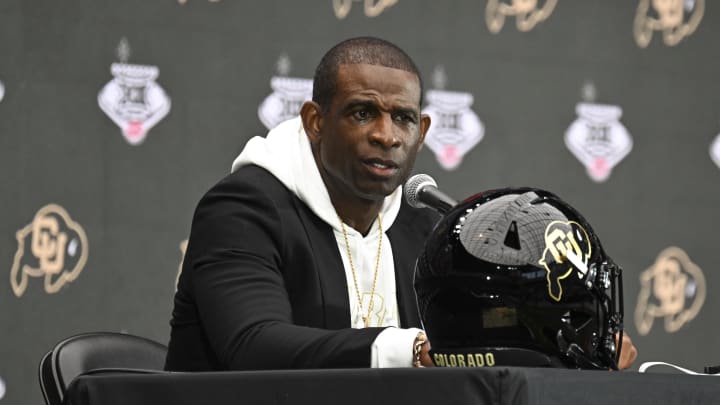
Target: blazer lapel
329 269
404 256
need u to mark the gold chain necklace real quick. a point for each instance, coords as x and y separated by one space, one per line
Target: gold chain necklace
366 318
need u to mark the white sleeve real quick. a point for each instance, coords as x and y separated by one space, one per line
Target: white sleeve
393 347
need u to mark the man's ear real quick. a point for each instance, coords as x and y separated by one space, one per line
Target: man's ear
311 115
424 126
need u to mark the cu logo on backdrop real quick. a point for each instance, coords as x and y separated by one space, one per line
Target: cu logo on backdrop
675 19
673 289
372 8
52 247
527 13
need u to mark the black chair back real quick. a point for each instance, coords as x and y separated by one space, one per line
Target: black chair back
94 351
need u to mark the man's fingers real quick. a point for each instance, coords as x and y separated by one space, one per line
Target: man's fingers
425 355
628 352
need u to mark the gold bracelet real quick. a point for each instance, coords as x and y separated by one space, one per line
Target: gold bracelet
420 340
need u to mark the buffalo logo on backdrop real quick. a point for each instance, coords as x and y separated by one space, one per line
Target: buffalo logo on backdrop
527 13
676 19
289 94
2 91
715 150
183 249
567 248
372 8
132 99
456 129
597 138
673 288
53 247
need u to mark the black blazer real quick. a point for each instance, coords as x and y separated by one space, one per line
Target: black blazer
263 285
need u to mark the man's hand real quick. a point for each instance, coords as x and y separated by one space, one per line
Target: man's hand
628 352
421 351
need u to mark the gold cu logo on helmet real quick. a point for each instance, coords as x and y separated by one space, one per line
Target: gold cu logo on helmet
672 288
52 246
667 16
560 238
527 13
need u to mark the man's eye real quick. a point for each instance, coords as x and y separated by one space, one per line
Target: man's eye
361 114
405 118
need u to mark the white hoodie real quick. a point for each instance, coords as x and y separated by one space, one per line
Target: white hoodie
286 153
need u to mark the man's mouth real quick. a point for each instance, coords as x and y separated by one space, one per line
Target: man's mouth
381 167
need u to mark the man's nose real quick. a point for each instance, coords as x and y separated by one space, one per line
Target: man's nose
384 133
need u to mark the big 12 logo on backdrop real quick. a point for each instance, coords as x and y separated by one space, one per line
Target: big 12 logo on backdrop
598 139
132 99
455 129
289 94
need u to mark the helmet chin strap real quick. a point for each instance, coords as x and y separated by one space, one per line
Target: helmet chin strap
577 356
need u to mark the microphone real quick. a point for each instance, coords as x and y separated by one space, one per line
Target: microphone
421 191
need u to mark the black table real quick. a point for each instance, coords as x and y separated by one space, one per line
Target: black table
498 385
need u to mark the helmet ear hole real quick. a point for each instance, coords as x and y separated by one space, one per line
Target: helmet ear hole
512 239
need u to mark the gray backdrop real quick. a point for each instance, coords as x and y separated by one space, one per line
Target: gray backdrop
105 254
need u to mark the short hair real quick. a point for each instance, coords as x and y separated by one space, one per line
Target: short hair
360 50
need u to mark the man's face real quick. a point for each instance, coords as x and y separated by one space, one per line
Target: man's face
367 140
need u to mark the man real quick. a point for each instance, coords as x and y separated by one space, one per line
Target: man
303 257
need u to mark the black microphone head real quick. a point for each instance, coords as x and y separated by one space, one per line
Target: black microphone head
414 185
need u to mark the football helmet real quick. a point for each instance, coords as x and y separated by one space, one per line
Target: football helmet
517 277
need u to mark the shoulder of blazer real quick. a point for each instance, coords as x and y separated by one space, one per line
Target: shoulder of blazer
256 181
418 221
257 177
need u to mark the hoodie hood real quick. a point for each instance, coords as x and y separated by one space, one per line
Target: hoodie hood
286 154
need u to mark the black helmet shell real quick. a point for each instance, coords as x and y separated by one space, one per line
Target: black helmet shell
518 277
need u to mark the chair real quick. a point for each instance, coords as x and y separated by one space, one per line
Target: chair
94 352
